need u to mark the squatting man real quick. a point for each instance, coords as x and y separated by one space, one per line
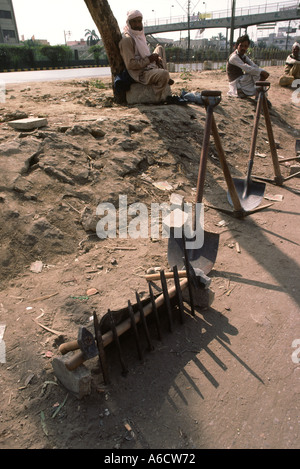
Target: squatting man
292 67
242 72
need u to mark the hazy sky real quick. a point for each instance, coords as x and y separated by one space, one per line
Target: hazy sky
52 19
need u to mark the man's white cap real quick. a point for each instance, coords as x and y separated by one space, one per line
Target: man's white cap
133 14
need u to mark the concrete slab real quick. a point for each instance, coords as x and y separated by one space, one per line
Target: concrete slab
29 123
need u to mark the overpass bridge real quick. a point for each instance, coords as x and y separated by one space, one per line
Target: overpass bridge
244 17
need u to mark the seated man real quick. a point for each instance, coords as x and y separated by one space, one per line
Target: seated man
242 72
292 67
142 66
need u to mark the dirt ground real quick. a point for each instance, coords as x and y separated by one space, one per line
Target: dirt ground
226 378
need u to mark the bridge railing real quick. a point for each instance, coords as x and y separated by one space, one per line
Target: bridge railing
242 11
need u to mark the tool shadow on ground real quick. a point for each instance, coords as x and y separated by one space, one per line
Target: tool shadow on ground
158 373
178 361
253 239
237 278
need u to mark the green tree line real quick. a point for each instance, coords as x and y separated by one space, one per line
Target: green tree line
32 55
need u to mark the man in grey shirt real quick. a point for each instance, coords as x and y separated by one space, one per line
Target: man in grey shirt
242 72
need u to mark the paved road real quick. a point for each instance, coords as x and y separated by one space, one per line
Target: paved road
51 75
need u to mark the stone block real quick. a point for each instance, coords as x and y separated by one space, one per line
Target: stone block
177 200
28 124
144 94
78 381
202 297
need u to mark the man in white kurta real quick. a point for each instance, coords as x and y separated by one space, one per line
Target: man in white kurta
142 66
242 72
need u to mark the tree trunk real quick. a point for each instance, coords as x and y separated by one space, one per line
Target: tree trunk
110 32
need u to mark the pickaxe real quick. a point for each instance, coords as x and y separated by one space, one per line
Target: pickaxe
87 345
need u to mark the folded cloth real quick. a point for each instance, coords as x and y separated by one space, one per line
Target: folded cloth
176 100
123 81
192 97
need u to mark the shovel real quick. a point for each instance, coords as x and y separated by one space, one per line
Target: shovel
249 192
204 257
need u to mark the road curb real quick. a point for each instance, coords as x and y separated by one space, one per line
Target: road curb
50 68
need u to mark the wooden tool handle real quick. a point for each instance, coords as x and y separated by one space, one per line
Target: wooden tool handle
211 93
75 361
126 324
227 175
68 347
262 83
181 274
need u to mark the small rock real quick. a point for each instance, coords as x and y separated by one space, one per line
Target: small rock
150 271
222 223
97 133
9 116
92 291
153 270
89 103
176 199
36 267
89 220
163 185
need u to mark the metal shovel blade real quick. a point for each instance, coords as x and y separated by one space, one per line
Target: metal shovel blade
203 258
250 193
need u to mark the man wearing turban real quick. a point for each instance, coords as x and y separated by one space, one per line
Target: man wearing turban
292 67
142 66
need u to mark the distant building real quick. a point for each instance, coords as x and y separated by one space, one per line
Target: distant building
8 26
81 43
279 40
81 49
194 43
153 41
42 42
